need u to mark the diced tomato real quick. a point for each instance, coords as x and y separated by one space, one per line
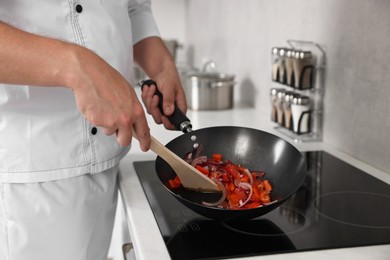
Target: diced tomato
264 197
255 194
236 196
224 177
217 157
214 175
233 171
259 184
245 178
230 186
175 183
202 170
267 186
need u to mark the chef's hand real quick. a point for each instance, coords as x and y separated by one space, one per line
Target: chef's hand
107 100
172 94
155 59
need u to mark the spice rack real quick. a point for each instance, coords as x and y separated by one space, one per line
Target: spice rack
299 70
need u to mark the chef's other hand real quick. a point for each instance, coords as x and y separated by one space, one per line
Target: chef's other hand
151 102
155 59
107 100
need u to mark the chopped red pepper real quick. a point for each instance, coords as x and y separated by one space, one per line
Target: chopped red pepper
245 178
202 169
230 186
239 183
264 197
233 171
217 157
267 186
255 194
175 183
235 197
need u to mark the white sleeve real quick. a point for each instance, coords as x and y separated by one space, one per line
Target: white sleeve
143 24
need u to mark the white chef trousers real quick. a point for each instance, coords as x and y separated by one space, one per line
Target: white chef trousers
70 219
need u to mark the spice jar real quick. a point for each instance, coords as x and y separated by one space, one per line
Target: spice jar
279 106
288 98
274 103
275 64
300 110
290 79
279 64
303 69
282 65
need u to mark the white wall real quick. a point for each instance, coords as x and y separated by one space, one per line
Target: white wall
355 35
171 17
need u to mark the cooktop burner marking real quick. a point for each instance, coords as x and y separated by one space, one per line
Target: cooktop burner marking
181 218
291 215
356 208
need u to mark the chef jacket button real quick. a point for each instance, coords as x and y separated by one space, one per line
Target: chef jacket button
94 130
79 8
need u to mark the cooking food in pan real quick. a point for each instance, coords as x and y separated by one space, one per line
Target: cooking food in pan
241 188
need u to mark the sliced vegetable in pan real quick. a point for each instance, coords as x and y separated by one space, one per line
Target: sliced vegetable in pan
241 187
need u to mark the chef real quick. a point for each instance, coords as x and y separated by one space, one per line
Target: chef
67 116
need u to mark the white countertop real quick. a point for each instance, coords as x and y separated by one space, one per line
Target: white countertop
146 237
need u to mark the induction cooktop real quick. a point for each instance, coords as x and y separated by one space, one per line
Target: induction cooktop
338 206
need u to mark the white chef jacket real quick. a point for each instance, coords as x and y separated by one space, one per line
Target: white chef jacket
43 136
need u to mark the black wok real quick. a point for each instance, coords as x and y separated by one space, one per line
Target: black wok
284 165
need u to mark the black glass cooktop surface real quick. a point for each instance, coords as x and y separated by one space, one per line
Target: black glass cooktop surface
337 206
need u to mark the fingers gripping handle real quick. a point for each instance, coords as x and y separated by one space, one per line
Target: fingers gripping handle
178 118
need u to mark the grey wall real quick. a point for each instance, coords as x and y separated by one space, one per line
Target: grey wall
355 35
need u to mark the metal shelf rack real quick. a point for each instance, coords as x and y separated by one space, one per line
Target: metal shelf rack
315 93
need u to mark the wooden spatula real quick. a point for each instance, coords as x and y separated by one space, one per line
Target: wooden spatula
190 177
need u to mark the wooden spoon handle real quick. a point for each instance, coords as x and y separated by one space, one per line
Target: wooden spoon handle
161 150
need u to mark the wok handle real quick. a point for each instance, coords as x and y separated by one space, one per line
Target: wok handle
178 118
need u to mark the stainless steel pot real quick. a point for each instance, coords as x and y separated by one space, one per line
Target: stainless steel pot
209 90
